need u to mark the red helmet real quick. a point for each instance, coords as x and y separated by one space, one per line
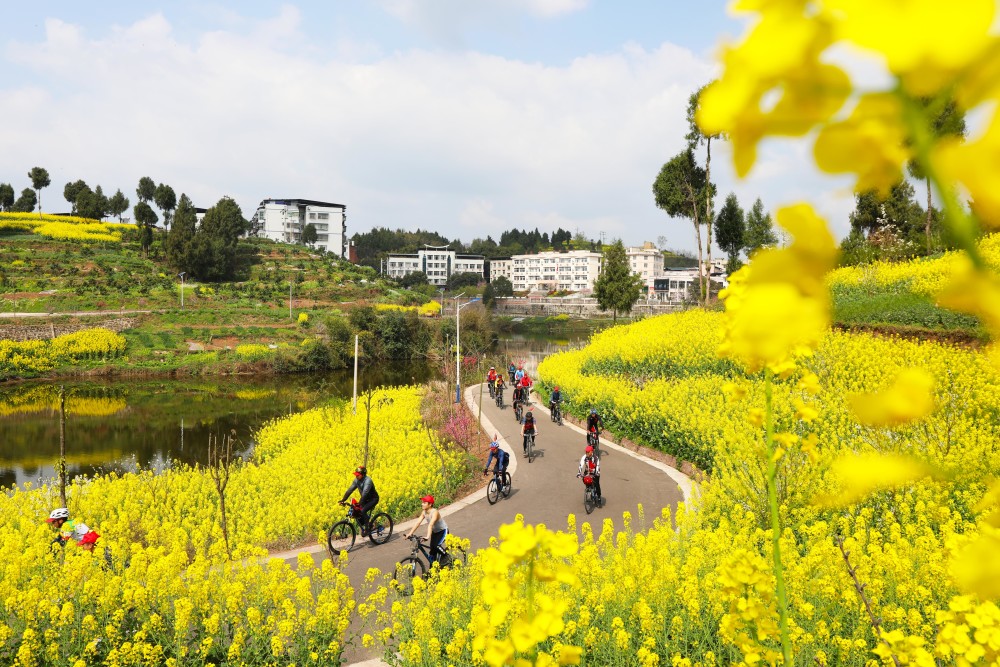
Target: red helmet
589 450
428 499
557 387
89 538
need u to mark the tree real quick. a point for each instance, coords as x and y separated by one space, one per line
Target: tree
872 212
413 279
695 137
502 287
26 202
6 196
463 279
145 217
948 122
146 189
92 204
39 180
178 242
166 201
759 230
617 288
72 190
213 248
730 229
679 189
309 234
118 204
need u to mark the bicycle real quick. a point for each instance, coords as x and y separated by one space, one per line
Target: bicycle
531 446
518 410
594 440
413 566
590 499
498 486
342 534
489 385
555 414
499 397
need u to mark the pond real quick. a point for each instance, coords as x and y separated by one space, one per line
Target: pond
118 425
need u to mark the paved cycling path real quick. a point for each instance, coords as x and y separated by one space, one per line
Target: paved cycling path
545 490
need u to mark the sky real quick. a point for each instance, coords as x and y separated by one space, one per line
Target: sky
463 117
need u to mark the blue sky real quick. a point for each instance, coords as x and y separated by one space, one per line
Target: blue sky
468 118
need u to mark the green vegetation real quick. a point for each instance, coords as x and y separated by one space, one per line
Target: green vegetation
276 284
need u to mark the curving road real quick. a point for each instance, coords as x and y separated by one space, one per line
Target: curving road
544 491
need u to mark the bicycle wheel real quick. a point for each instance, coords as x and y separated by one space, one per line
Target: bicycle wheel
380 528
588 500
340 537
407 570
452 557
506 485
531 448
492 492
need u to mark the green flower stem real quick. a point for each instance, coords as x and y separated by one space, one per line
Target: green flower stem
964 227
772 498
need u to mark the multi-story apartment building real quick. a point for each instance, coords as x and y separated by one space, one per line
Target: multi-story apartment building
285 220
502 266
647 262
437 263
573 271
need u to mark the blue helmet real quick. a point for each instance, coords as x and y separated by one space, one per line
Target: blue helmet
593 411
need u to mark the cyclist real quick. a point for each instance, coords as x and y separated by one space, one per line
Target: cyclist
369 496
502 457
594 421
437 529
528 427
498 385
65 527
491 378
591 465
85 537
555 398
512 371
519 374
525 387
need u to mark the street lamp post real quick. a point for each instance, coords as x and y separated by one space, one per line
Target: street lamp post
458 346
182 274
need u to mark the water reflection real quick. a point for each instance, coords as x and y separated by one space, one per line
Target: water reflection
150 423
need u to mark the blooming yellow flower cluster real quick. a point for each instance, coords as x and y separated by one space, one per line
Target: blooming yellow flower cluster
428 309
36 356
253 352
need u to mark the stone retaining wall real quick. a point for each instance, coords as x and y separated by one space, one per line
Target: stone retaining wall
23 332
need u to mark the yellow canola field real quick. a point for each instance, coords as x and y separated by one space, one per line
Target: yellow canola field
64 227
698 590
36 356
179 600
926 277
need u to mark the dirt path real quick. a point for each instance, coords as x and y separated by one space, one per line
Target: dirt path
544 491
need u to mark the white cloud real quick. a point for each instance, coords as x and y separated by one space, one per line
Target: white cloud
466 144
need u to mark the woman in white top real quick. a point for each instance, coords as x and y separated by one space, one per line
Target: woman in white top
437 529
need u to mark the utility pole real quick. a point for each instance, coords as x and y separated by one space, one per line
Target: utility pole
290 283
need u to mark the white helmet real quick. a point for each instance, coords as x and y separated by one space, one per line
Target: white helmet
79 530
57 514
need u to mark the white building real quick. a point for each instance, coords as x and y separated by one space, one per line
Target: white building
438 263
573 271
647 262
284 220
502 267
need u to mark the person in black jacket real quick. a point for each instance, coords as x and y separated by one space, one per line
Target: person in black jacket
369 496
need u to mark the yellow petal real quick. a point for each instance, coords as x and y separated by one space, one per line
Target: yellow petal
860 475
911 397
